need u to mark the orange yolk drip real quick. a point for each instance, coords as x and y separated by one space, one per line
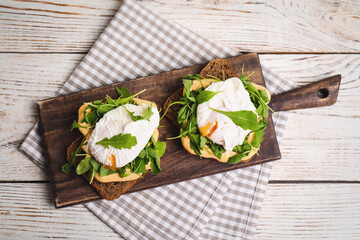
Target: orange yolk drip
208 129
112 159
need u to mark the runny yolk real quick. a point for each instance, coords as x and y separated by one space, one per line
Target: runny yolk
112 159
213 128
208 129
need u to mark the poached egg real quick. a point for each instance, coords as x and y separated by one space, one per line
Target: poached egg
119 121
218 127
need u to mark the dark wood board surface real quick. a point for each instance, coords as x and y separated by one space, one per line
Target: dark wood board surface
57 115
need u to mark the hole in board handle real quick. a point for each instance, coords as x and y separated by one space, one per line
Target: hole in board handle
323 93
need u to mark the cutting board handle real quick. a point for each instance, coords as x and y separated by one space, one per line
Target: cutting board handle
317 94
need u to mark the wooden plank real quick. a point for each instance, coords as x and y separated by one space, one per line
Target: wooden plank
328 155
310 211
26 79
269 26
27 212
57 114
304 211
320 143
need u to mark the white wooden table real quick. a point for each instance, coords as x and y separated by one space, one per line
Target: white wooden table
314 191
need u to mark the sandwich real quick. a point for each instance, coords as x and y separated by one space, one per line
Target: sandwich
119 143
220 116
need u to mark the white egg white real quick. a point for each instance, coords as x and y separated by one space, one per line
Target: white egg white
119 121
219 128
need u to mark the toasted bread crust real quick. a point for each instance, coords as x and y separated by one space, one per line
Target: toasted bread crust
109 191
218 68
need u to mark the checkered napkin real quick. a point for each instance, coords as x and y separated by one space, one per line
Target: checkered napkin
139 43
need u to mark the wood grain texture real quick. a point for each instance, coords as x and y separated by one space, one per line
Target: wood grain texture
304 211
27 212
268 26
317 94
321 143
310 211
327 155
24 80
57 114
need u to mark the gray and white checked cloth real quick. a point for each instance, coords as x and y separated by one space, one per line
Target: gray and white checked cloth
138 43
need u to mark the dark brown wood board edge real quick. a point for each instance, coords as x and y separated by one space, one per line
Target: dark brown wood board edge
316 94
50 173
44 104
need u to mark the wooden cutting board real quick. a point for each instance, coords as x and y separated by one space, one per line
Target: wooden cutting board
57 115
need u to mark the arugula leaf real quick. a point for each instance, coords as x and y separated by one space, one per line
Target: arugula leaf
244 119
94 169
258 138
92 173
205 96
216 149
91 118
122 172
264 95
121 101
119 141
102 109
98 102
182 114
140 166
109 100
236 159
195 143
147 114
83 166
203 141
142 153
160 148
187 86
95 164
75 124
66 167
105 172
193 77
155 161
123 92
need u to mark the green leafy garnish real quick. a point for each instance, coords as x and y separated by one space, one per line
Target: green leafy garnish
121 101
95 168
66 167
147 114
119 141
205 96
83 166
104 171
98 108
75 124
123 92
237 158
244 119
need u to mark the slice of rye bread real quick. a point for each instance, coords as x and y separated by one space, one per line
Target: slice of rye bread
218 68
109 191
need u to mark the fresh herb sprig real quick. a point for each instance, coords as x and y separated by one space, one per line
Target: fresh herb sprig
98 108
119 141
66 167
